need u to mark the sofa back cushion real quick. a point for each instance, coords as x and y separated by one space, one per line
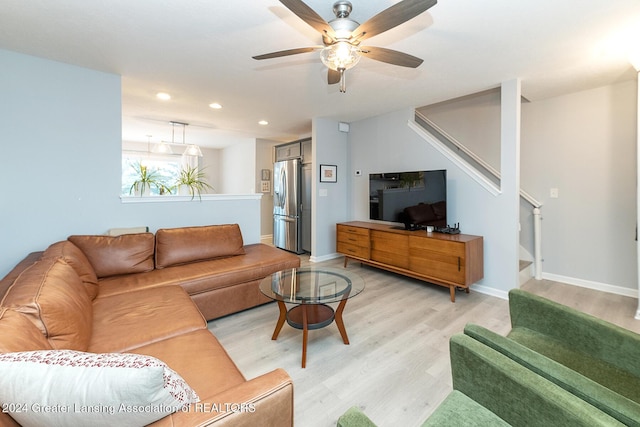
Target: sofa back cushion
76 259
189 244
18 333
51 295
115 255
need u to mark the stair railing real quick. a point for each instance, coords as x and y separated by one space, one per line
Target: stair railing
446 138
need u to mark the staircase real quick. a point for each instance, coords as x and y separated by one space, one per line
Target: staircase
489 177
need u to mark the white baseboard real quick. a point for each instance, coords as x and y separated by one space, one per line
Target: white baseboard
324 257
267 238
499 293
604 287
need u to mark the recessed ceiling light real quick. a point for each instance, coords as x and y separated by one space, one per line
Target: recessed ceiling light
215 106
163 96
263 122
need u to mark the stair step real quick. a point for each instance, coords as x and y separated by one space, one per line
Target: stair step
524 264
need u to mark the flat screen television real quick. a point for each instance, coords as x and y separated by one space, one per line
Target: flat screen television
413 198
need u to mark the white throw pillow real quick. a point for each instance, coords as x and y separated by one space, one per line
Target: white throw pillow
66 387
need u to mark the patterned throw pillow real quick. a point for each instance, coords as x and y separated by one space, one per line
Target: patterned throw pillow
66 387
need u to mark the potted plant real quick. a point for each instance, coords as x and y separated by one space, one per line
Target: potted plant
145 178
192 180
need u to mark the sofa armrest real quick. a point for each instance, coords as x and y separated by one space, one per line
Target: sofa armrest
605 399
514 393
578 331
265 401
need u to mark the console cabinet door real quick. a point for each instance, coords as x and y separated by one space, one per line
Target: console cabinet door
390 248
442 260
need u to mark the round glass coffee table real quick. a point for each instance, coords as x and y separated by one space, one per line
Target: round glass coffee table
310 290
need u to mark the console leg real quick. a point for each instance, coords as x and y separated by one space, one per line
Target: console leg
345 262
281 319
452 292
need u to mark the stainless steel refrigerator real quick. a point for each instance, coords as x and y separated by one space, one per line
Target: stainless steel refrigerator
287 205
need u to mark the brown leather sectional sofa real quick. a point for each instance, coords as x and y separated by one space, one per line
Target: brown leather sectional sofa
151 294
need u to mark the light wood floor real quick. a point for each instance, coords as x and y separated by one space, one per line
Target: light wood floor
397 366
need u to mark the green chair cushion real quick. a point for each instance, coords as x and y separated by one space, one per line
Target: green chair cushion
459 410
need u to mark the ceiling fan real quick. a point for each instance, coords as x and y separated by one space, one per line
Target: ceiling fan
342 36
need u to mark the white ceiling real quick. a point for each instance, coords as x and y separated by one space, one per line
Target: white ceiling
200 52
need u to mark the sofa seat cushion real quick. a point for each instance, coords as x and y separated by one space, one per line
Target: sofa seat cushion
598 370
30 337
52 296
459 410
189 244
258 261
90 389
200 359
126 321
73 256
115 255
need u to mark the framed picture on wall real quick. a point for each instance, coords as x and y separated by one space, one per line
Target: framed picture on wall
328 173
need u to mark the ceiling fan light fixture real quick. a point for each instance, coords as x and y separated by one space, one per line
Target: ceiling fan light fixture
340 56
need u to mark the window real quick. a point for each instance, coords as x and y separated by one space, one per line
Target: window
164 167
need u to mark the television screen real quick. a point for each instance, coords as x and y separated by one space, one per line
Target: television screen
416 198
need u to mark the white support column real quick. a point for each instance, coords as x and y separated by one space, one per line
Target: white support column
537 243
638 185
511 95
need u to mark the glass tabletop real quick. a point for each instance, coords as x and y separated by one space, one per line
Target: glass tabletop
312 285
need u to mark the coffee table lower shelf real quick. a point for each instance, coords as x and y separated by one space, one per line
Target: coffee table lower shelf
309 317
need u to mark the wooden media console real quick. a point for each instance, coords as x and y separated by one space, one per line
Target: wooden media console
451 260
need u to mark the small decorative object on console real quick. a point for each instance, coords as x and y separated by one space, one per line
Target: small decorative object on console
448 230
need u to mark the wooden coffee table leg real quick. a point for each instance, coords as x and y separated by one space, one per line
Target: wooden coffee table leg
340 322
305 333
281 320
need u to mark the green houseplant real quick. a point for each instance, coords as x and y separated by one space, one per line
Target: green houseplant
145 179
192 179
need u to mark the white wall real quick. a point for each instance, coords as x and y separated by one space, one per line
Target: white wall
210 166
264 160
61 162
238 167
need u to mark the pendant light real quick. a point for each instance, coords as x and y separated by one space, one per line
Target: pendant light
190 149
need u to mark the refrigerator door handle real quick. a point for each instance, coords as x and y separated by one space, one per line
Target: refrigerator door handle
287 219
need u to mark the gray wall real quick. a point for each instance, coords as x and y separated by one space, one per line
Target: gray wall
329 200
61 162
583 144
386 143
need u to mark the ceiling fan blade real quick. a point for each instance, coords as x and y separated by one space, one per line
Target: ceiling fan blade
309 16
391 56
392 17
287 52
333 77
